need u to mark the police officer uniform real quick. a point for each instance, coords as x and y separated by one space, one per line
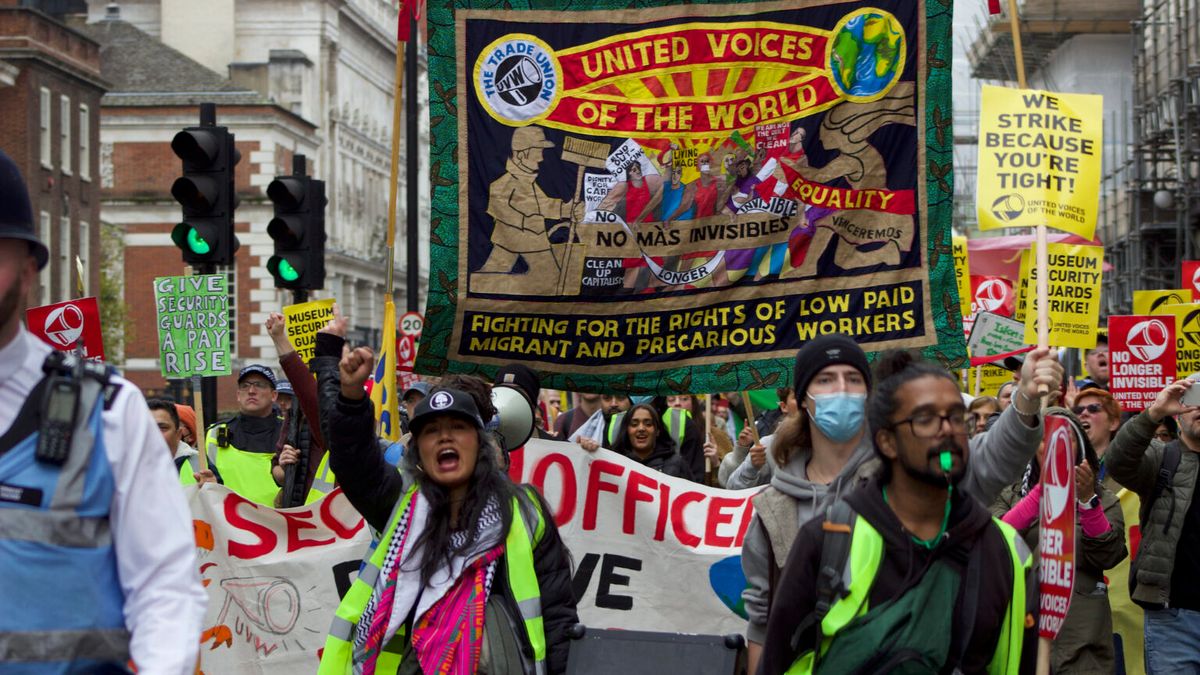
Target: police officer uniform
97 555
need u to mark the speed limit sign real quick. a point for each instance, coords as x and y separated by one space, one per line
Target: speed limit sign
411 324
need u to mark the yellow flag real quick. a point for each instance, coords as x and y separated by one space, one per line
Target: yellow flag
1126 616
1039 160
962 274
384 395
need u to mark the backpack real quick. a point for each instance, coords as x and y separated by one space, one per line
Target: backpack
900 643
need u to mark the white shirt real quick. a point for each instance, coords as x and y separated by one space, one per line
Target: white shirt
151 522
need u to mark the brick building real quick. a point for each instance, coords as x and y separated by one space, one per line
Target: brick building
50 89
155 92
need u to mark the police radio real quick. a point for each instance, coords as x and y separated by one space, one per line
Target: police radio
60 409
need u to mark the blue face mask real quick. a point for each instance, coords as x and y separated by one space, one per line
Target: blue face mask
839 416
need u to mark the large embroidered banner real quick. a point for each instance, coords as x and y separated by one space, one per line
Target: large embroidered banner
642 198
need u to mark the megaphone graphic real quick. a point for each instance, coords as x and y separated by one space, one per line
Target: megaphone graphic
270 603
515 415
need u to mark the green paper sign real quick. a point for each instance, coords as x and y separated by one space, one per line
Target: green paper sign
193 325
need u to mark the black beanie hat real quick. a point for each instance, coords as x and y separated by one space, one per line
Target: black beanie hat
522 378
828 350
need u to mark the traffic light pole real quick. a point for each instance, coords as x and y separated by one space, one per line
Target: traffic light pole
208 385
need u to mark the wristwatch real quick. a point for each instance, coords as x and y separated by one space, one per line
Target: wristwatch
1091 503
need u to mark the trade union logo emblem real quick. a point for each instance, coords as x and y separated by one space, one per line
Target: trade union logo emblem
64 325
1059 473
992 295
1147 340
1009 207
518 79
441 400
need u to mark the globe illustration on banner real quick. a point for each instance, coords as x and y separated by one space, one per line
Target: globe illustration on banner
867 54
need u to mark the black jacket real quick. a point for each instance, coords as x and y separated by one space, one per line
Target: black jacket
373 486
663 458
903 565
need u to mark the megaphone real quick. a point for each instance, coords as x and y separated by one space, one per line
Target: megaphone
515 416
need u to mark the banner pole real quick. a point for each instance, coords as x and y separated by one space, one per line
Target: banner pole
393 183
1018 55
708 425
201 430
750 415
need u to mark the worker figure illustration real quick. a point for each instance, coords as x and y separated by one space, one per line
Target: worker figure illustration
521 211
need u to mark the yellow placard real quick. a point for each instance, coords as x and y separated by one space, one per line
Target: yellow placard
1152 302
1039 160
1023 288
1074 301
303 322
991 377
1187 337
962 274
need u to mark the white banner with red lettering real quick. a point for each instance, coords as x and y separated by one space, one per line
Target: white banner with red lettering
651 552
273 578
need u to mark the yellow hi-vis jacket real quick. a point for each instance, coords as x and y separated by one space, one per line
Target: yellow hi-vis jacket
866 554
338 656
246 473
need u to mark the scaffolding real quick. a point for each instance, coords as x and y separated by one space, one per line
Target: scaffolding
1150 212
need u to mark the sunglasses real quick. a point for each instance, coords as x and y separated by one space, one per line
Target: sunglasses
1092 408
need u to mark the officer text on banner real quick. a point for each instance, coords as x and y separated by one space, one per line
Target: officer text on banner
1039 160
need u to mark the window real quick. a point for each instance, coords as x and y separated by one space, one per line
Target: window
44 138
66 291
64 131
85 144
85 237
44 234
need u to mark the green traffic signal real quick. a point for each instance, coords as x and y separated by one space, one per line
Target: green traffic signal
287 272
196 244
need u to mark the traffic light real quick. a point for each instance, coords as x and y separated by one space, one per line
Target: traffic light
206 191
298 230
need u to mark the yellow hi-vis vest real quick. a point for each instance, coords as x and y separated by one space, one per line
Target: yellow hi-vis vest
675 420
323 481
338 656
866 554
246 473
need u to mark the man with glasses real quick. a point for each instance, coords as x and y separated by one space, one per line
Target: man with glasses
908 568
241 447
1163 581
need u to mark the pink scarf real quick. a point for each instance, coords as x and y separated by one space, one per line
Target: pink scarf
449 637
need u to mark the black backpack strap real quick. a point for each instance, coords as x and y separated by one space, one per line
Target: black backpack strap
837 533
970 598
1166 472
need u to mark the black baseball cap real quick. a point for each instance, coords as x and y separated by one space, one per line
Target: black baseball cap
259 369
444 401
